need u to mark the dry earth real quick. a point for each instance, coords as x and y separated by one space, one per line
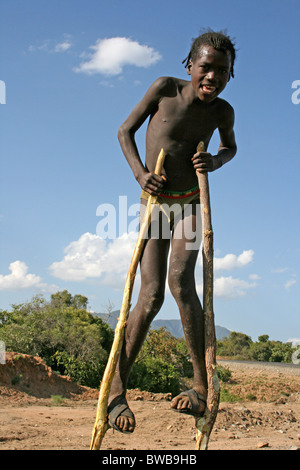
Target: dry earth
40 410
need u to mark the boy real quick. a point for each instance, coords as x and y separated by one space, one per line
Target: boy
182 113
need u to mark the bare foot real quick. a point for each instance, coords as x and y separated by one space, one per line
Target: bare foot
189 402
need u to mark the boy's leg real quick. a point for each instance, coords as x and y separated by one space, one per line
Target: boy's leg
182 285
153 268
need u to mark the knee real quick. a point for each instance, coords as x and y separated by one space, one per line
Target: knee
181 285
153 297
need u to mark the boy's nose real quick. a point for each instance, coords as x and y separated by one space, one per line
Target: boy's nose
210 75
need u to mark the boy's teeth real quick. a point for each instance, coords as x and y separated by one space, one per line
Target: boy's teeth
209 88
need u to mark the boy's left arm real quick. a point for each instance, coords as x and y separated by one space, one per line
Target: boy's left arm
205 162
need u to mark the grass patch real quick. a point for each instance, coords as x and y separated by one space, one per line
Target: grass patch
251 397
57 400
227 396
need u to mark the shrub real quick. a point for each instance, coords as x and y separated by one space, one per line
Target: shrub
224 373
162 362
155 375
70 340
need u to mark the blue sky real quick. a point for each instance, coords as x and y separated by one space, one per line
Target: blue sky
69 86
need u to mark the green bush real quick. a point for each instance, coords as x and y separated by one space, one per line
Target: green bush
162 362
70 340
241 346
224 374
155 375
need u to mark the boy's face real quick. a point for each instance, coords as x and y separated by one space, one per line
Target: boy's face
210 73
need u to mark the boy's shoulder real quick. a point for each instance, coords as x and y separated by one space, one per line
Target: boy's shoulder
224 106
167 84
167 80
225 113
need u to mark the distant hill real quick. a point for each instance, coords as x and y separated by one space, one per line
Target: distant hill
173 326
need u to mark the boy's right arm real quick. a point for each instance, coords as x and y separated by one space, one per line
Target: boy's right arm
148 181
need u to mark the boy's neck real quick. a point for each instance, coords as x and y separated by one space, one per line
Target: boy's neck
191 97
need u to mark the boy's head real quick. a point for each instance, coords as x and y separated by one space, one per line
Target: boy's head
218 40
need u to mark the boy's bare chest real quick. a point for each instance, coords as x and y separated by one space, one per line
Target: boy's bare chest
179 119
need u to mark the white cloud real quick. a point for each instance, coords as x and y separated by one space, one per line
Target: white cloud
42 47
289 284
279 270
254 277
230 288
231 261
92 257
21 279
63 46
49 47
110 55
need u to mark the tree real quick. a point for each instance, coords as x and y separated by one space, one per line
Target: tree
80 302
61 299
260 351
70 340
237 344
263 338
241 346
65 299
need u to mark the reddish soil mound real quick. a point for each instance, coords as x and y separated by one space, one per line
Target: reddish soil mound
29 375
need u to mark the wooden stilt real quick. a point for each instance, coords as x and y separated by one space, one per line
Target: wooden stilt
101 424
204 425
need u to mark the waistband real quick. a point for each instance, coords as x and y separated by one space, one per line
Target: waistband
179 194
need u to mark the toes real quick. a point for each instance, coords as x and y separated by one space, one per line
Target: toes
184 404
180 403
125 424
188 404
174 402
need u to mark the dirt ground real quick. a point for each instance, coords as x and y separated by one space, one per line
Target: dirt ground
40 410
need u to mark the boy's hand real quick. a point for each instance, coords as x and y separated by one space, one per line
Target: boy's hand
205 162
152 183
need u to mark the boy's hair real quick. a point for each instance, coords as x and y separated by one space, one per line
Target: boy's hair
218 40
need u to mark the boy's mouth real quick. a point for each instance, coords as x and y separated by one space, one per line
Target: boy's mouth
208 89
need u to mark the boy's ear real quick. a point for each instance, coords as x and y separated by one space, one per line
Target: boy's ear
189 67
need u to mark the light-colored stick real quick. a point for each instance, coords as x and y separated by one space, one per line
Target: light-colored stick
204 425
101 424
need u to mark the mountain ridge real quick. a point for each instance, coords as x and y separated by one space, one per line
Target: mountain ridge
173 326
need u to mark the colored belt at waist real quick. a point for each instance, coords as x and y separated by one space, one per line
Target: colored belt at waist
179 194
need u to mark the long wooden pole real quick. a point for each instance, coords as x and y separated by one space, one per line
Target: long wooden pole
101 424
204 425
